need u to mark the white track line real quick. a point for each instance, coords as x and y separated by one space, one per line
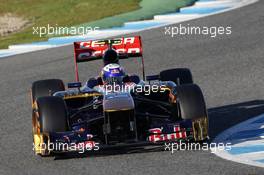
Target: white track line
245 158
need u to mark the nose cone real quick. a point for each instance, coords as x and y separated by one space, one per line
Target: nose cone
116 102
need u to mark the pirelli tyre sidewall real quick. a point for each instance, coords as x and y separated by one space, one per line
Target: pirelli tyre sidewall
192 106
50 116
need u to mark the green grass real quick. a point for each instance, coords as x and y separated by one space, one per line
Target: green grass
148 9
61 12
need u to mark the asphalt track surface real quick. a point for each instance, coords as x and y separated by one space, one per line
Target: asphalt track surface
229 70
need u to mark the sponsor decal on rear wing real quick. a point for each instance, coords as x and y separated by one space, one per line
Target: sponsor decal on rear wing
126 47
93 50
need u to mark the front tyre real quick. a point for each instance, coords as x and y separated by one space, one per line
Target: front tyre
192 106
50 115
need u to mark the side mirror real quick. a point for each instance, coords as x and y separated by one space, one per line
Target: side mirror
75 85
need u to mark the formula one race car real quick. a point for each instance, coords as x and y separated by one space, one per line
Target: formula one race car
116 109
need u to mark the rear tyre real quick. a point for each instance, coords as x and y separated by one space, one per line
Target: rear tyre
192 107
49 116
178 76
47 87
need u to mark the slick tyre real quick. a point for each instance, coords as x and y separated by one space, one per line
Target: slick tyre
178 76
46 88
49 115
52 114
191 101
192 107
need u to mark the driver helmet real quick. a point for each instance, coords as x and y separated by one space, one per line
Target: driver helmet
113 74
110 56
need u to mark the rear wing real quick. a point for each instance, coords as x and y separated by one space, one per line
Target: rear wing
126 47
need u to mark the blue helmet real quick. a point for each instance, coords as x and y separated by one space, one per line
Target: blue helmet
113 73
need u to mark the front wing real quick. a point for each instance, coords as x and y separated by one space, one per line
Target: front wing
81 140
